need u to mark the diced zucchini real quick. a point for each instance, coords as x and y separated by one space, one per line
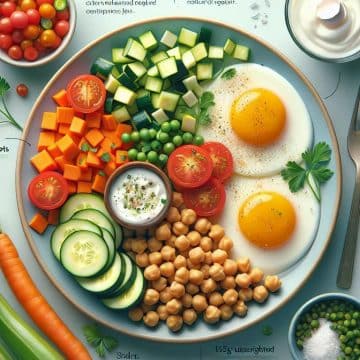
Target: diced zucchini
135 70
174 52
118 56
169 39
168 100
141 120
116 71
148 40
187 37
124 95
142 81
153 71
134 50
216 52
121 114
199 51
204 71
160 116
167 67
188 123
141 92
241 52
205 35
192 84
188 59
229 47
132 109
101 68
160 56
183 49
155 100
111 84
182 72
154 84
167 84
125 80
190 98
109 103
143 102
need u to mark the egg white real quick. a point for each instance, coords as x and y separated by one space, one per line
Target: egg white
251 160
271 261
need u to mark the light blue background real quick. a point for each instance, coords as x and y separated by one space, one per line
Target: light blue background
324 77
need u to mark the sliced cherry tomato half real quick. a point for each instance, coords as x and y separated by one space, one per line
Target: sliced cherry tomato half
189 166
86 93
222 160
48 190
207 200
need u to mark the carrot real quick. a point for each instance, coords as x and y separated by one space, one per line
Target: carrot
61 98
39 223
35 304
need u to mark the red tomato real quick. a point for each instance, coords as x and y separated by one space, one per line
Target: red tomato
222 160
34 16
207 200
38 45
57 42
17 36
63 14
31 32
8 8
86 93
5 41
189 166
22 90
62 28
48 190
6 27
19 19
31 53
15 52
26 43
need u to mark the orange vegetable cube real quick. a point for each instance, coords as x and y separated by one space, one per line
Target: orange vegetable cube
84 187
68 147
109 122
86 174
123 128
46 138
94 137
93 120
64 115
93 161
53 216
78 126
54 151
107 145
81 160
49 121
43 161
72 186
121 157
39 223
99 183
83 145
63 129
110 168
60 98
58 136
72 172
61 161
115 139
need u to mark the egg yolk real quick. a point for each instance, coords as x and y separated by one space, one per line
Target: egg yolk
267 219
258 117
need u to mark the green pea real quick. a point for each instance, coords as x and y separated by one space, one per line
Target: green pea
177 140
168 148
347 323
125 138
135 136
347 316
144 134
163 137
343 338
187 138
152 133
152 156
156 145
132 154
314 324
165 127
299 344
350 334
333 316
348 350
175 125
163 158
198 140
141 156
356 315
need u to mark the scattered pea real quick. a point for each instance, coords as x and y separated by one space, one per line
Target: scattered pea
177 140
152 133
175 125
141 156
198 140
144 134
135 136
125 138
132 154
168 148
165 127
152 156
187 138
163 137
163 159
156 145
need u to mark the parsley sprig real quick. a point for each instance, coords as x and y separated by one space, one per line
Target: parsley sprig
228 74
314 173
4 88
97 340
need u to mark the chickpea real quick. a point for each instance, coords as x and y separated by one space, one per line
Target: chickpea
182 243
206 243
212 314
260 293
230 267
240 308
243 280
228 283
194 237
174 306
192 289
152 272
173 215
186 300
230 297
205 269
243 264
171 241
151 297
226 244
155 258
174 322
168 253
177 200
142 260
151 318
208 286
189 316
182 275
163 232
177 290
162 312
272 283
188 216
180 261
256 275
199 303
196 255
202 225
216 272
138 246
196 276
216 299
167 269
190 265
166 295
219 256
179 228
216 232
136 314
154 245
126 245
226 312
159 284
246 294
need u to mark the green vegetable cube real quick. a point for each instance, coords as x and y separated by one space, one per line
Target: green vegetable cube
229 47
188 124
168 100
187 37
188 59
134 50
199 51
169 39
216 52
241 52
148 40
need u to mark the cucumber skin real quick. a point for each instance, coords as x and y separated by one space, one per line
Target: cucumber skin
23 341
4 354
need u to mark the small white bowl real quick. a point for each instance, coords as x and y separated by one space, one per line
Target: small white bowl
53 54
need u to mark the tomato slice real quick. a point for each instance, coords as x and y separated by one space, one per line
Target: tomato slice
48 190
207 200
222 160
189 166
86 93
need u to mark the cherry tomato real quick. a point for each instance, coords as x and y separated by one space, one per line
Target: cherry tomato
48 190
27 5
62 27
19 19
38 46
48 38
22 90
63 14
86 93
47 11
8 8
26 43
57 42
34 16
31 53
189 166
5 41
6 27
222 160
15 52
17 36
40 2
31 32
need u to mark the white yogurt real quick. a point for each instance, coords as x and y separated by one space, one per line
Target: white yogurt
325 29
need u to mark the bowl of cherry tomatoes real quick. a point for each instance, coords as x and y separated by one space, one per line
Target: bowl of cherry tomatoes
34 32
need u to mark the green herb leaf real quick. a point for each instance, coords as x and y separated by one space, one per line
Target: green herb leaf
228 74
85 147
320 154
206 101
105 157
92 334
295 175
4 86
101 173
94 150
101 350
110 343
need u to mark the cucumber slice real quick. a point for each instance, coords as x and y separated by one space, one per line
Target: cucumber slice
84 254
112 248
65 229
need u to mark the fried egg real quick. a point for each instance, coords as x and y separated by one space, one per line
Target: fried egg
261 118
268 223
